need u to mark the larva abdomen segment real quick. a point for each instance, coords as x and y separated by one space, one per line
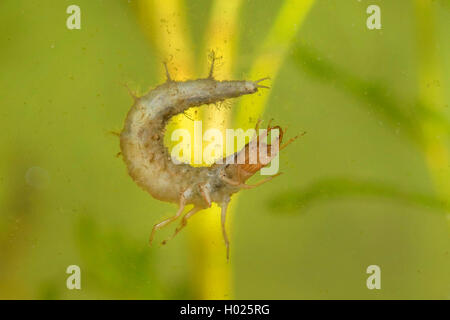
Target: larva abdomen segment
175 97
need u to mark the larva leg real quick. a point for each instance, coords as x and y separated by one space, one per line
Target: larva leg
229 181
224 178
248 186
205 194
224 207
183 222
166 222
251 186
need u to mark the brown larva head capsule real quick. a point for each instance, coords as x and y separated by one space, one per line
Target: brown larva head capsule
256 154
263 157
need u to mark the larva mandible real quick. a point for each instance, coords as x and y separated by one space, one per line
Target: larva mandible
148 160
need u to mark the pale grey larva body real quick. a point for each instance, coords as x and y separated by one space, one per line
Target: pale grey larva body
143 149
149 162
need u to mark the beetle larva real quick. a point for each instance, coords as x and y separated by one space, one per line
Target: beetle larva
149 162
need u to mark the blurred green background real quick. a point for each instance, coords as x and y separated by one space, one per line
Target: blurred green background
360 187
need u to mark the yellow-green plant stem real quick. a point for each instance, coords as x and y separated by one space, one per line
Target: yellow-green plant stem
212 270
210 273
436 140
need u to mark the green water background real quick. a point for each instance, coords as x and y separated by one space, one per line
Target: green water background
357 190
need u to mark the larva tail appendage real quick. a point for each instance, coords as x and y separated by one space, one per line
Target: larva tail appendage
260 85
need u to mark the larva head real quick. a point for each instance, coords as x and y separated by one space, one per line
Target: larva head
256 154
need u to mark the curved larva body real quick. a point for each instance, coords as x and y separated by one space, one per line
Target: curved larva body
149 162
